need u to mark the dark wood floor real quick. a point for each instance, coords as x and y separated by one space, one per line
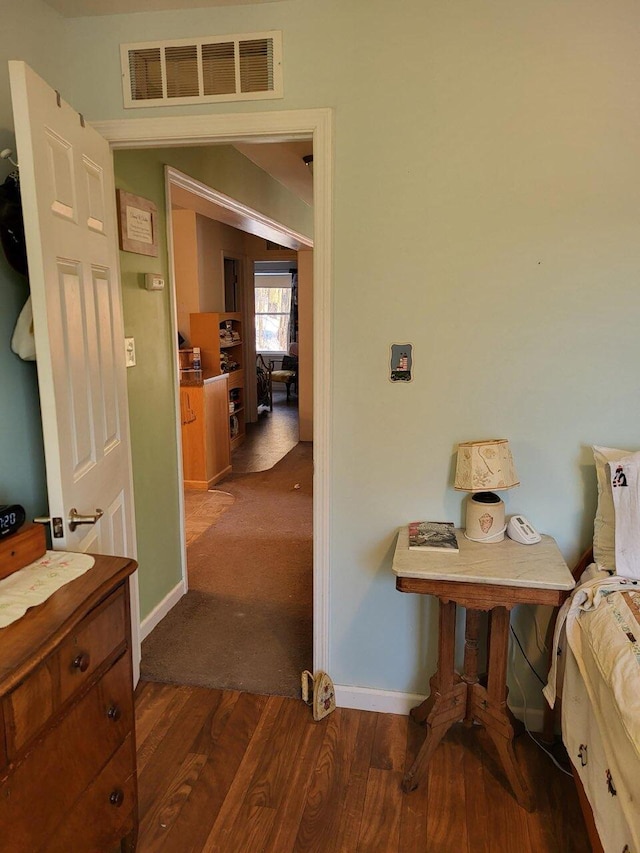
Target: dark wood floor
270 438
239 773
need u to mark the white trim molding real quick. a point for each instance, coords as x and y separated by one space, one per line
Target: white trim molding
160 610
278 126
262 225
370 699
396 702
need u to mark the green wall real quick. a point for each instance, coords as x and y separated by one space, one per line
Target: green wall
147 318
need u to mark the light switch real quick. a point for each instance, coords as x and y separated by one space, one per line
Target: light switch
130 352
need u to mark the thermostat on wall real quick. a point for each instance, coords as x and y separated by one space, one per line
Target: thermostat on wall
153 281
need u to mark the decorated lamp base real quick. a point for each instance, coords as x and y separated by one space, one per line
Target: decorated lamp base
485 518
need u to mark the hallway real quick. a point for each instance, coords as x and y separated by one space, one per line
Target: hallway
246 621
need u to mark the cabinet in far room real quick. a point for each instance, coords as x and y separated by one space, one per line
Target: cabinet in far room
219 336
204 415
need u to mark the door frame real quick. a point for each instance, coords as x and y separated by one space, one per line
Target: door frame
277 126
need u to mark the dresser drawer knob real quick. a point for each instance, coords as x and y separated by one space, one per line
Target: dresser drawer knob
81 662
116 798
114 713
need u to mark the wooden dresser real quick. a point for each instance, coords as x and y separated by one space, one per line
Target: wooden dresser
67 743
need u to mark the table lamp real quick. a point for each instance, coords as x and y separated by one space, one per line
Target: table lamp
482 468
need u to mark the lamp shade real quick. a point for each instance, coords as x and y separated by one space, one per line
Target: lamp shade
485 466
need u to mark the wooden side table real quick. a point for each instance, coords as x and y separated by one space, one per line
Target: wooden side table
481 577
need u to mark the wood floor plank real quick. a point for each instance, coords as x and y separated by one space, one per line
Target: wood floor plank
159 820
447 827
330 779
225 741
151 700
156 719
390 743
275 766
220 712
353 806
223 827
508 819
564 826
250 832
380 824
174 746
414 806
289 814
540 823
478 808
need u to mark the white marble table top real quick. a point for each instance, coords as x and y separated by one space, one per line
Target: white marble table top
506 563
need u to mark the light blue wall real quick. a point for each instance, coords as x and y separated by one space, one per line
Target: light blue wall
487 210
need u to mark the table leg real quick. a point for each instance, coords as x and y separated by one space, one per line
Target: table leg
447 701
489 706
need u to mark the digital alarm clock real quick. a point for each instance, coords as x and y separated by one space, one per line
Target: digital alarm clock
12 517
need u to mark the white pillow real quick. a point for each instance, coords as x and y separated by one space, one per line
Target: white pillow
624 476
604 525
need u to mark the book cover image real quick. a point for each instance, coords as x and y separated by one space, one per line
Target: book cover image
433 536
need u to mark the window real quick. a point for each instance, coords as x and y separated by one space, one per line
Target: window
273 310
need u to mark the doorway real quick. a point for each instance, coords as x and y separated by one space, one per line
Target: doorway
299 124
227 620
231 274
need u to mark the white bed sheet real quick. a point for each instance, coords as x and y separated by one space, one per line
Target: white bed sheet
601 713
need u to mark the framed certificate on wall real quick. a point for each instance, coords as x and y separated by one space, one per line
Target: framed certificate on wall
137 224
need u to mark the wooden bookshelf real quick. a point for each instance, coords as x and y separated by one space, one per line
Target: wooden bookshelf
220 338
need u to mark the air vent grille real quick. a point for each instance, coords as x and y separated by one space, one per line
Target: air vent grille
145 73
219 68
188 71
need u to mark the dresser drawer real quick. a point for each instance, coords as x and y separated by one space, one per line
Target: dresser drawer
63 764
100 635
97 637
105 811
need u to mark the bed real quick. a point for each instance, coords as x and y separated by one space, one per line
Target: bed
596 662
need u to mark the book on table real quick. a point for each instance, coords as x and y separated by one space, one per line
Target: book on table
433 536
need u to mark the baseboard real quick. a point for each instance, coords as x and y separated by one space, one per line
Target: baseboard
395 702
160 610
370 699
534 717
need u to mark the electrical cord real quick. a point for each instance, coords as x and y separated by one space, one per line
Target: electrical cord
524 705
531 667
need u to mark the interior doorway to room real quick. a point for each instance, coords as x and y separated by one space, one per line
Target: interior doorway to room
275 432
231 275
247 620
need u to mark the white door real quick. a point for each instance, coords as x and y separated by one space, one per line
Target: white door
68 199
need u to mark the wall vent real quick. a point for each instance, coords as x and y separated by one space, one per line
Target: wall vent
202 70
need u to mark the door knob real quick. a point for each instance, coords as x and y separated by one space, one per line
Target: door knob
75 518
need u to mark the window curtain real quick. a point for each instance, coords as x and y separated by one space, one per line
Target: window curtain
293 314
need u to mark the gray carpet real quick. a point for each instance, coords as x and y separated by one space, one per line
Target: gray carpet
246 622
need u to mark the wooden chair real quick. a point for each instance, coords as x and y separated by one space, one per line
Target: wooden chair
287 372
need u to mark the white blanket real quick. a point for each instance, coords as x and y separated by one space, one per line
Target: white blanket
597 638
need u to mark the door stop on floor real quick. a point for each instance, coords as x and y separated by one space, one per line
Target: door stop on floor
323 698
